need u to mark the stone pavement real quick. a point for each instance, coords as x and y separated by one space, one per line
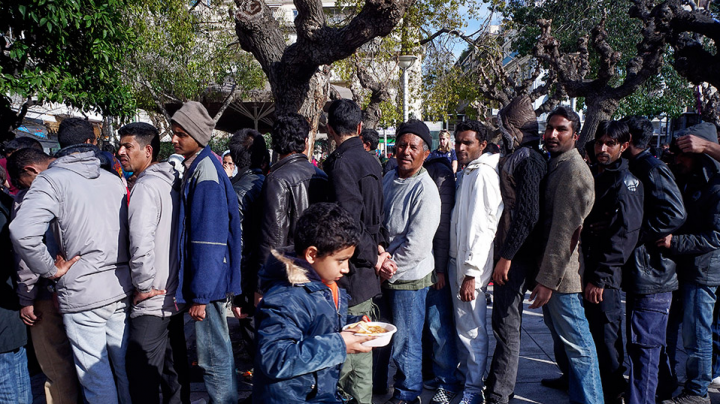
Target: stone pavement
536 362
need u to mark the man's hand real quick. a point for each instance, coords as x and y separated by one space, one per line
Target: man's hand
237 312
197 312
388 269
63 266
467 289
258 298
440 282
28 315
692 144
500 274
382 257
540 296
665 242
139 297
593 294
353 343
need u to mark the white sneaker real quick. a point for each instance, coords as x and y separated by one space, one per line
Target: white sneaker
715 383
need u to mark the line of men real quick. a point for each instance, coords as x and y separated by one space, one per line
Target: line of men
125 267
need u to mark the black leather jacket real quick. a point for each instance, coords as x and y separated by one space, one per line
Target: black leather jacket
651 269
612 228
292 185
696 245
248 185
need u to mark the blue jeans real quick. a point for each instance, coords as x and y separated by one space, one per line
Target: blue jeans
408 315
716 341
99 342
698 302
565 317
439 318
14 378
647 317
215 354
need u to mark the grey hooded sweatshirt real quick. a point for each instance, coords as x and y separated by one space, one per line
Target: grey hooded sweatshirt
152 221
87 207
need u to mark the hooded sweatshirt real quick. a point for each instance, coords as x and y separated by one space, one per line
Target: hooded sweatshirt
87 207
475 218
152 223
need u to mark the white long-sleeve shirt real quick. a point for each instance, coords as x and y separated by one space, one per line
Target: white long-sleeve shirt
478 207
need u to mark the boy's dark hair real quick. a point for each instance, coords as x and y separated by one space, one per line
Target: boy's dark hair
641 130
247 149
21 142
481 132
75 131
370 136
326 226
145 134
22 158
568 114
615 130
289 133
344 116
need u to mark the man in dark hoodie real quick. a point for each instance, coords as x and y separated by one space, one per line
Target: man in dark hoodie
87 208
521 175
609 236
157 354
649 275
209 248
356 185
696 247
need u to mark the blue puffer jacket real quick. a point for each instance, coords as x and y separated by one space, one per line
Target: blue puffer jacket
210 244
299 348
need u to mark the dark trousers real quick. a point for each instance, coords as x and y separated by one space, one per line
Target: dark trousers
668 381
506 325
647 317
605 319
156 360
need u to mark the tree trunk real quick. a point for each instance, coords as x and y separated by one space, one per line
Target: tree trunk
599 109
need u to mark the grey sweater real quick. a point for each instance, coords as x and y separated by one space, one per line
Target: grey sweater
412 216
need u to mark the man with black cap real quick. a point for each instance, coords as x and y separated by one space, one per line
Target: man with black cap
696 247
412 211
210 248
475 218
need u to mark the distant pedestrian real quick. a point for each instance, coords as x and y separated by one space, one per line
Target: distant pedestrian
445 149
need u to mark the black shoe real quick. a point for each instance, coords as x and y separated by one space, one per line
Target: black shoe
558 383
687 398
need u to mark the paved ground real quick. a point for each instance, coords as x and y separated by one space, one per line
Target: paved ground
536 362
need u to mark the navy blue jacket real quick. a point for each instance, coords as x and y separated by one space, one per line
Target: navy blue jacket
299 347
210 231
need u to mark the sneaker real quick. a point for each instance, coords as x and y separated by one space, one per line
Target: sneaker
558 383
715 383
442 396
687 398
472 398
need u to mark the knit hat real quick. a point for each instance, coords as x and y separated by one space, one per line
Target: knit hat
415 127
194 118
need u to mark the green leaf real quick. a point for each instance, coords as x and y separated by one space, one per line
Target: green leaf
21 8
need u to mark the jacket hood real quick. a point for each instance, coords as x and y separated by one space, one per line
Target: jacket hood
286 268
165 171
83 163
518 123
435 159
707 131
489 159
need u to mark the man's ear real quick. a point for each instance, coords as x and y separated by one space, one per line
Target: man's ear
148 151
359 128
483 145
31 170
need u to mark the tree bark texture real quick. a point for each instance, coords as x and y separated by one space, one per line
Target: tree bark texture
298 73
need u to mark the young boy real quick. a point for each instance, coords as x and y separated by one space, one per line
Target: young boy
300 346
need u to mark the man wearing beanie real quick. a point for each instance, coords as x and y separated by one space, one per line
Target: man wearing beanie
412 211
475 218
209 249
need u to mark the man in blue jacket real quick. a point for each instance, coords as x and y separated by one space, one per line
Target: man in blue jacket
210 248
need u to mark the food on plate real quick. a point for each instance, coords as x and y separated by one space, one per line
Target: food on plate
366 329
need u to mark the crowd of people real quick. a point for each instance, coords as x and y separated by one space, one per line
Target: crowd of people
105 269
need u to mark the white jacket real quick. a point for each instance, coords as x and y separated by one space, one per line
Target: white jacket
478 207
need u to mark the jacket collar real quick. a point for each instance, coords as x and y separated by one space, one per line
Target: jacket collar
203 153
348 144
288 160
567 156
619 165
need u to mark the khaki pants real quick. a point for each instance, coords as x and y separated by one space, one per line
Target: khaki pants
54 355
356 374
